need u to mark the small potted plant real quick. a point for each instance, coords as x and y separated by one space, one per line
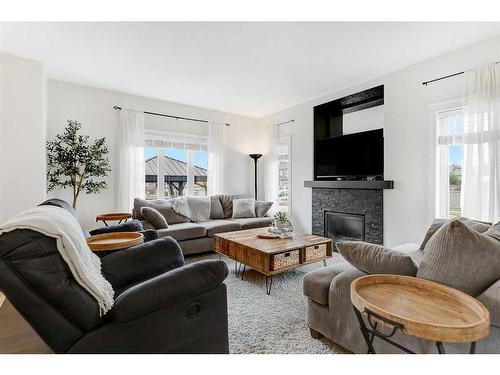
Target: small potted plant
282 225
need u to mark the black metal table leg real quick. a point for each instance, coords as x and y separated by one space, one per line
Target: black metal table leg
369 334
364 331
440 347
243 271
269 284
472 349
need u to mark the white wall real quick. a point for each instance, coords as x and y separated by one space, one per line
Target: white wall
22 135
408 209
94 109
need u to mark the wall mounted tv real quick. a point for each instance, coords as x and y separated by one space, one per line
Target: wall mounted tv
352 156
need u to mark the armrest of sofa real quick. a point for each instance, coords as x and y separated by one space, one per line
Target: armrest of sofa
168 289
149 234
128 226
142 262
491 299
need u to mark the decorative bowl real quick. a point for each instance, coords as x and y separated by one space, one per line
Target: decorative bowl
282 232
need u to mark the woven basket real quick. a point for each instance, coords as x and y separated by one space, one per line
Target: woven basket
314 252
284 260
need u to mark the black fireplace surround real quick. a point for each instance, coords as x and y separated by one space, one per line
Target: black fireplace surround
365 204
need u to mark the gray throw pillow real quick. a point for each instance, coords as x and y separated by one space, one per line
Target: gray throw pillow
154 217
494 231
216 210
163 206
372 259
227 203
261 208
438 223
243 208
462 258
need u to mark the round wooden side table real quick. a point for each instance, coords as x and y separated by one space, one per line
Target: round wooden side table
114 241
116 216
419 308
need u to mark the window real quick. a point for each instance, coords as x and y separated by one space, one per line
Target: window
449 166
283 156
175 166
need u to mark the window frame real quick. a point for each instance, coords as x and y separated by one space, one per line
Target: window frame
162 141
288 140
434 111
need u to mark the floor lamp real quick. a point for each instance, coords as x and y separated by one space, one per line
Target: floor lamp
255 157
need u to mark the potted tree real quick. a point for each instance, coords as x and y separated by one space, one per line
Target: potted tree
75 162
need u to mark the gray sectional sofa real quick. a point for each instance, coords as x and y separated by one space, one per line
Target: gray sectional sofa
197 237
330 312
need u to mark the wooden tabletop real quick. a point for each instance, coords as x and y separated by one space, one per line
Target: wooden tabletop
114 216
114 241
426 309
271 246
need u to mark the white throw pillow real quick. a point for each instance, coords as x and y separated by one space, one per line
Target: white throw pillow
243 208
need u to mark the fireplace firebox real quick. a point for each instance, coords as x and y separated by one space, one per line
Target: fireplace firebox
344 226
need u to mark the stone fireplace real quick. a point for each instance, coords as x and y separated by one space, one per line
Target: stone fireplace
349 214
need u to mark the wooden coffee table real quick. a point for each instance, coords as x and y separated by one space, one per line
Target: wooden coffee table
419 308
272 256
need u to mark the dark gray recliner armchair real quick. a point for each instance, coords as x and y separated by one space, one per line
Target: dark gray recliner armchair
161 305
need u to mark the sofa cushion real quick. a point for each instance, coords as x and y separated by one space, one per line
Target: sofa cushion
243 208
438 223
227 203
219 226
154 217
462 258
372 259
254 222
163 206
216 210
262 207
183 231
316 284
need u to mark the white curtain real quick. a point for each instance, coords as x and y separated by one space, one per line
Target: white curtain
481 144
216 174
272 166
131 141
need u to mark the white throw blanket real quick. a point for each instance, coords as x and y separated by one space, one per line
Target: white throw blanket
84 264
193 207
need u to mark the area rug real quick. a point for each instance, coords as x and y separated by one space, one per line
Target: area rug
270 324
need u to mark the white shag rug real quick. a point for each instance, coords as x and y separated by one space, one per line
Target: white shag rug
270 324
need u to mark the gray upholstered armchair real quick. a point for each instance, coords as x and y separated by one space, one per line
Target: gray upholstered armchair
161 305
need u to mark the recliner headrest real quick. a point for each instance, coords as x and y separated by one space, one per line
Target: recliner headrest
59 203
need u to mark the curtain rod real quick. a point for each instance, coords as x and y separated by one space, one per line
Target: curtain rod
448 76
172 116
280 123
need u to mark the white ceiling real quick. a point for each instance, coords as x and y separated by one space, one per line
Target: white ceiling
252 69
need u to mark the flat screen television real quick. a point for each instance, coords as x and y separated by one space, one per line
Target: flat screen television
355 155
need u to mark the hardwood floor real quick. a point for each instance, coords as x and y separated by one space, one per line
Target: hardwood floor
16 335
